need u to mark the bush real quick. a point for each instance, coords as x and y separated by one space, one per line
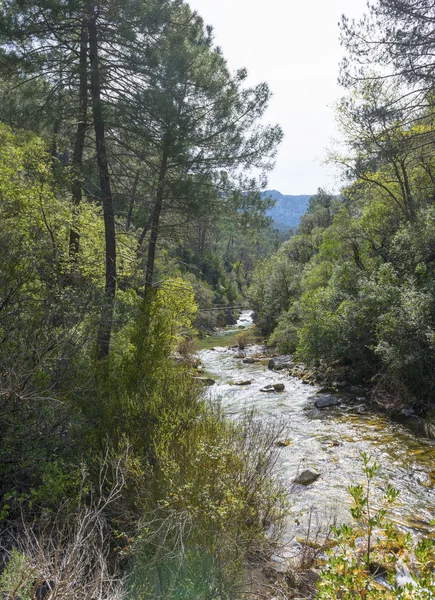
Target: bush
218 498
243 339
70 555
285 335
406 345
372 547
202 486
193 493
187 347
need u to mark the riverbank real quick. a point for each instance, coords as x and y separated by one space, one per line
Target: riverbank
338 379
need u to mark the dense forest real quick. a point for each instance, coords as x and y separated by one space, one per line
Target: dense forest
134 219
128 215
355 285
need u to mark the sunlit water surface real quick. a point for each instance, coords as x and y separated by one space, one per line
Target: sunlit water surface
329 441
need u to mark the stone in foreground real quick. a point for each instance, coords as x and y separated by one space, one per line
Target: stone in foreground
280 362
278 387
274 387
306 477
326 401
268 388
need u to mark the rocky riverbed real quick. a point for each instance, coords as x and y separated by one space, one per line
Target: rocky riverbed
324 434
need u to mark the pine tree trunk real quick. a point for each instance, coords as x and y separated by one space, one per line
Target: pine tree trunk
132 200
74 235
156 220
143 234
106 191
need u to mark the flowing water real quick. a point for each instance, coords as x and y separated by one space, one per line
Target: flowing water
329 441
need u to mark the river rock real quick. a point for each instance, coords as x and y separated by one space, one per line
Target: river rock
280 362
278 387
422 478
249 360
306 477
326 401
407 412
205 380
274 387
240 355
247 382
268 388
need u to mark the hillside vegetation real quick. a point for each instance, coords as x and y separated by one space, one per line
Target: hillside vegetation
128 216
134 217
355 285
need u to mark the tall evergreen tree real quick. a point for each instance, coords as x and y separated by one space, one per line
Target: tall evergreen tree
196 127
170 122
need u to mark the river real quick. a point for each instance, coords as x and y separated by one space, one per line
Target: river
329 441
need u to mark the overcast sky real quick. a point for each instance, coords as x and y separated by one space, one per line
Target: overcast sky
294 46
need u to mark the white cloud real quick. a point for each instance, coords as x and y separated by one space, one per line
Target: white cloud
294 46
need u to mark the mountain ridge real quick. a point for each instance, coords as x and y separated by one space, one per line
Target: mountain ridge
288 208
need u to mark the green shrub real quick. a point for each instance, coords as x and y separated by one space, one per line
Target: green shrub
285 335
217 499
406 345
243 339
373 547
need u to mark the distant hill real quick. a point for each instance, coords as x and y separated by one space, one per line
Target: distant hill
288 209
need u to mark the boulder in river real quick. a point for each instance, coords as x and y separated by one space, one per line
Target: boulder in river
268 388
422 477
240 355
274 387
278 387
280 362
247 382
249 360
306 477
326 401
